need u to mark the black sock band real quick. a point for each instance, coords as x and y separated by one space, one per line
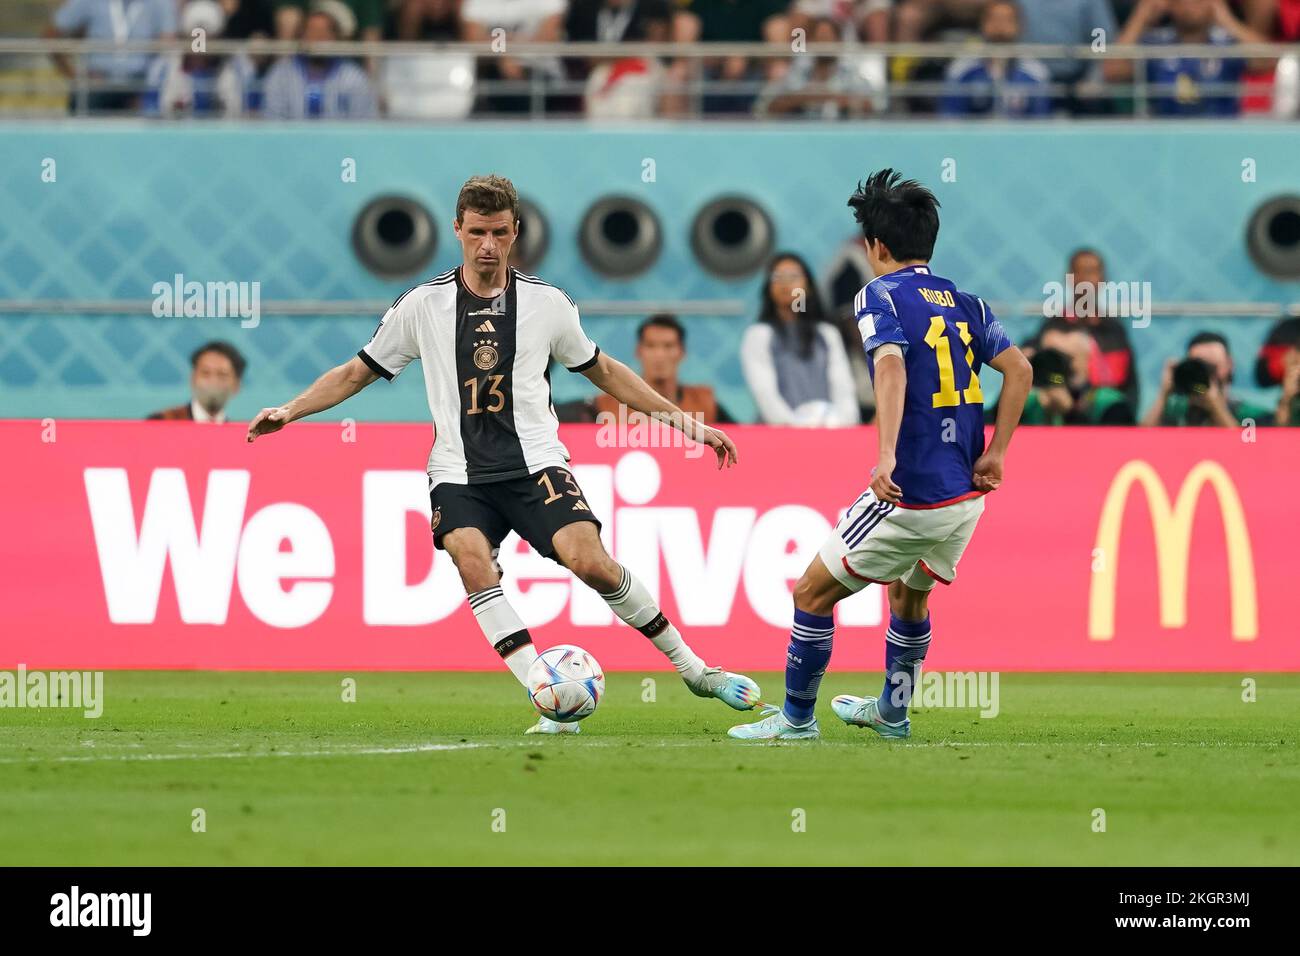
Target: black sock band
655 626
512 642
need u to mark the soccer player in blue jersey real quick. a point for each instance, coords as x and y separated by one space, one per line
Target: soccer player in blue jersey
926 343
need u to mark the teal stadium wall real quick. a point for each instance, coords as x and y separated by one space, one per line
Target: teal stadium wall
134 204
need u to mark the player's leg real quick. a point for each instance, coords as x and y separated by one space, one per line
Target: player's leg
908 638
807 656
470 550
469 527
578 547
858 552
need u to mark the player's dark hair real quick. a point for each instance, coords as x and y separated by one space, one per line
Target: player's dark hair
663 320
805 326
901 213
486 195
1209 338
221 348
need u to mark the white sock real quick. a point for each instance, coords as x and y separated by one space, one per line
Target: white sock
504 631
635 607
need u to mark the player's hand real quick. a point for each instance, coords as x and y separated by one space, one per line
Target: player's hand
882 482
988 472
723 446
268 420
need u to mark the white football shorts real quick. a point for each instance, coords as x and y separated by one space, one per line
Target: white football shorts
877 543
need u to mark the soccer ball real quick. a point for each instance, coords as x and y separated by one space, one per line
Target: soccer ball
565 683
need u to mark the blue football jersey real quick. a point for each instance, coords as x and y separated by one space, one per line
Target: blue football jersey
946 336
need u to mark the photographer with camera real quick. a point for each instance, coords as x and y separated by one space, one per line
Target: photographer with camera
1194 391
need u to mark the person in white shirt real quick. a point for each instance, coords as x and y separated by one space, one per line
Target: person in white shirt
793 359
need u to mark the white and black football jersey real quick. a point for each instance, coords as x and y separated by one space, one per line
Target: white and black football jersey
486 371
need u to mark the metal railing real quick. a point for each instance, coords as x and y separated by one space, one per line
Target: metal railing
683 82
729 307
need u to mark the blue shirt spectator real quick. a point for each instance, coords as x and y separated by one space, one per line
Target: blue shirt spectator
319 87
117 20
974 88
980 86
1067 21
1182 81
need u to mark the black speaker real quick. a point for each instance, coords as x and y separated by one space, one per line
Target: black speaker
394 236
534 237
732 236
620 237
1273 237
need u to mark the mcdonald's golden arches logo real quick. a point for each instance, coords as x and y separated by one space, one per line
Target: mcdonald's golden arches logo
1172 528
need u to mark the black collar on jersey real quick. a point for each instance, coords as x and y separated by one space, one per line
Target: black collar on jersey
460 281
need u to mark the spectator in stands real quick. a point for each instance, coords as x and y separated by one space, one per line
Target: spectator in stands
827 87
729 21
433 85
199 84
661 348
119 77
1076 23
1089 404
1006 88
1185 86
524 21
1112 364
1288 404
315 86
1270 364
1196 390
794 361
367 18
619 87
218 368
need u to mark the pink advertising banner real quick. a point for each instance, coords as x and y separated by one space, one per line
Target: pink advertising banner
172 545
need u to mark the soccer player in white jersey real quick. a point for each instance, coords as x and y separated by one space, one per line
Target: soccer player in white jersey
485 334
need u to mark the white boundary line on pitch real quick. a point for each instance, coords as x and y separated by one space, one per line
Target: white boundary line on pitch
244 754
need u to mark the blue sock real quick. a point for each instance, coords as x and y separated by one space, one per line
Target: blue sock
905 645
805 663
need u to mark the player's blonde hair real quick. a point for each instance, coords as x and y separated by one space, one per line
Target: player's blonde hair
486 195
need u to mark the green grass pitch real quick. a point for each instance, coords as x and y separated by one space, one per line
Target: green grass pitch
425 768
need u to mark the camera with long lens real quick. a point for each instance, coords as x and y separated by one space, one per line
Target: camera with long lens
1192 376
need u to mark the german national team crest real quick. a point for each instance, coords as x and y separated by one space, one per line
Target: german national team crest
436 519
485 355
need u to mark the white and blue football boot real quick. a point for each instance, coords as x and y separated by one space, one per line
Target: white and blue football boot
545 725
865 712
735 690
775 726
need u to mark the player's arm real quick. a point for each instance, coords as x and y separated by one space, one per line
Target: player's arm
630 389
1017 377
336 385
891 390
